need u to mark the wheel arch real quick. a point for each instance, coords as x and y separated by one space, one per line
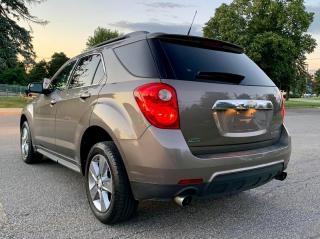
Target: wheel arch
23 118
92 135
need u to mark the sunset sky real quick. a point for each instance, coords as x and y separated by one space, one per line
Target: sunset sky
72 21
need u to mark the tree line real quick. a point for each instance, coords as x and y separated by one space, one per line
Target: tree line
272 32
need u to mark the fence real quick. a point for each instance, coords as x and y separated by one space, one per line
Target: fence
12 90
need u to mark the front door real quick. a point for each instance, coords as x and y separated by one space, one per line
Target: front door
45 108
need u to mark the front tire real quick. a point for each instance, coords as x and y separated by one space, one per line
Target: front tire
107 186
28 154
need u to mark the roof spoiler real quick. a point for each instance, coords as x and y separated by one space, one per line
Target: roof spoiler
199 42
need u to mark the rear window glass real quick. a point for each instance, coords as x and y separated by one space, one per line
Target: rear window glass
137 59
195 64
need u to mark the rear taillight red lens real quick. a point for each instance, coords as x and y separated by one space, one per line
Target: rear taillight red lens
158 103
283 109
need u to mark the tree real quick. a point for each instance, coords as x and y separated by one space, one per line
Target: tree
15 75
100 35
39 71
57 60
272 32
317 82
15 40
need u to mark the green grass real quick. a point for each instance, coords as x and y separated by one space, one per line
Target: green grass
301 104
305 99
313 98
13 101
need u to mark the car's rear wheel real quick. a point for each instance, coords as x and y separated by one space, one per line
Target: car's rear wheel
107 185
28 153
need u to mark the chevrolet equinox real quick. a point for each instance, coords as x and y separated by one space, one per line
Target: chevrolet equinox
158 116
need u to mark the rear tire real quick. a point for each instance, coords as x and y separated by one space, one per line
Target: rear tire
107 186
28 154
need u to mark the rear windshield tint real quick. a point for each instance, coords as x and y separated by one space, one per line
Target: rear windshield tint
197 64
137 59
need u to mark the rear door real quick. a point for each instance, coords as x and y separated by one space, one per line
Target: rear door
226 101
75 107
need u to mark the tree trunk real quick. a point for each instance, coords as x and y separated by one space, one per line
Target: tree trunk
288 93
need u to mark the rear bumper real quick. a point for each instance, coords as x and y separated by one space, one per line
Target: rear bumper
223 183
160 158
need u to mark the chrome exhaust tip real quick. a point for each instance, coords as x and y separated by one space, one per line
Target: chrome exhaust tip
183 201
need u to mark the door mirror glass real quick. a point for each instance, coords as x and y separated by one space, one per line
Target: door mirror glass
46 83
35 88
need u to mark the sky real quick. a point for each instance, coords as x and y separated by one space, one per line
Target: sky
71 22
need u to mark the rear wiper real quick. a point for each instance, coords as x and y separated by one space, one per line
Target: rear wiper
220 77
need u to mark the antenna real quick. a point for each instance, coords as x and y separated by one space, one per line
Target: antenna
192 22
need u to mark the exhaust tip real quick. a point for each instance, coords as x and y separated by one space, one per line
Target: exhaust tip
282 176
183 201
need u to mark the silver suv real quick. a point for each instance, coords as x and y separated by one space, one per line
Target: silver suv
159 116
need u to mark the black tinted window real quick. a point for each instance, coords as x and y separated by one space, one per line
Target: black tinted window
84 71
61 80
193 63
137 59
99 75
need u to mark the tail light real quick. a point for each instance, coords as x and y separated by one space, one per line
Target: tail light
283 109
158 103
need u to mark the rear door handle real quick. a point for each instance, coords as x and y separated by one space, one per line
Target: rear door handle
53 102
85 95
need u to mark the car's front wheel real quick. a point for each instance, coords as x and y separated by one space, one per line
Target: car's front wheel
107 185
28 153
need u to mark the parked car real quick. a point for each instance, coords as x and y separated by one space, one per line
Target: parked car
159 116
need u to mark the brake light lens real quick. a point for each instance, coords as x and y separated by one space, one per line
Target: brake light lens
283 109
158 103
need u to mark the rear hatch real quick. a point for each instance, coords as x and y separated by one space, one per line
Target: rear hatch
226 102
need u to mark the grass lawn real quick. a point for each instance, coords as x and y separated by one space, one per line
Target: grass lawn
306 99
13 101
301 104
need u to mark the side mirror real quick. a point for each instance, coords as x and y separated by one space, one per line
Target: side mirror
35 88
46 84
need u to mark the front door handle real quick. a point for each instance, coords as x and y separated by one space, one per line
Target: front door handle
85 95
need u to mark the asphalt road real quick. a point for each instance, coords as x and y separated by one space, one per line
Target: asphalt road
48 201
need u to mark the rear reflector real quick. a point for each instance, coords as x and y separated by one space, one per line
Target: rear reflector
190 181
283 109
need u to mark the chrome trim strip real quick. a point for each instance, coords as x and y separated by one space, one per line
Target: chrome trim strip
239 104
244 169
58 158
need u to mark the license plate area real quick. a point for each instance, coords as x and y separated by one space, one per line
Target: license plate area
242 118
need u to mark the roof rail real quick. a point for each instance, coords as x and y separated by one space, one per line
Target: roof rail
132 34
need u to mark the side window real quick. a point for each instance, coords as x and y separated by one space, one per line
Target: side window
84 71
99 75
61 80
137 59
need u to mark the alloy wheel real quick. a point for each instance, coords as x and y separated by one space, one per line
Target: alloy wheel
100 183
25 142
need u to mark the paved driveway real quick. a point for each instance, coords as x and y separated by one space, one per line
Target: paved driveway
48 201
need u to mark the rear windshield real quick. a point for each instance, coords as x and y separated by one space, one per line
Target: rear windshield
192 63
